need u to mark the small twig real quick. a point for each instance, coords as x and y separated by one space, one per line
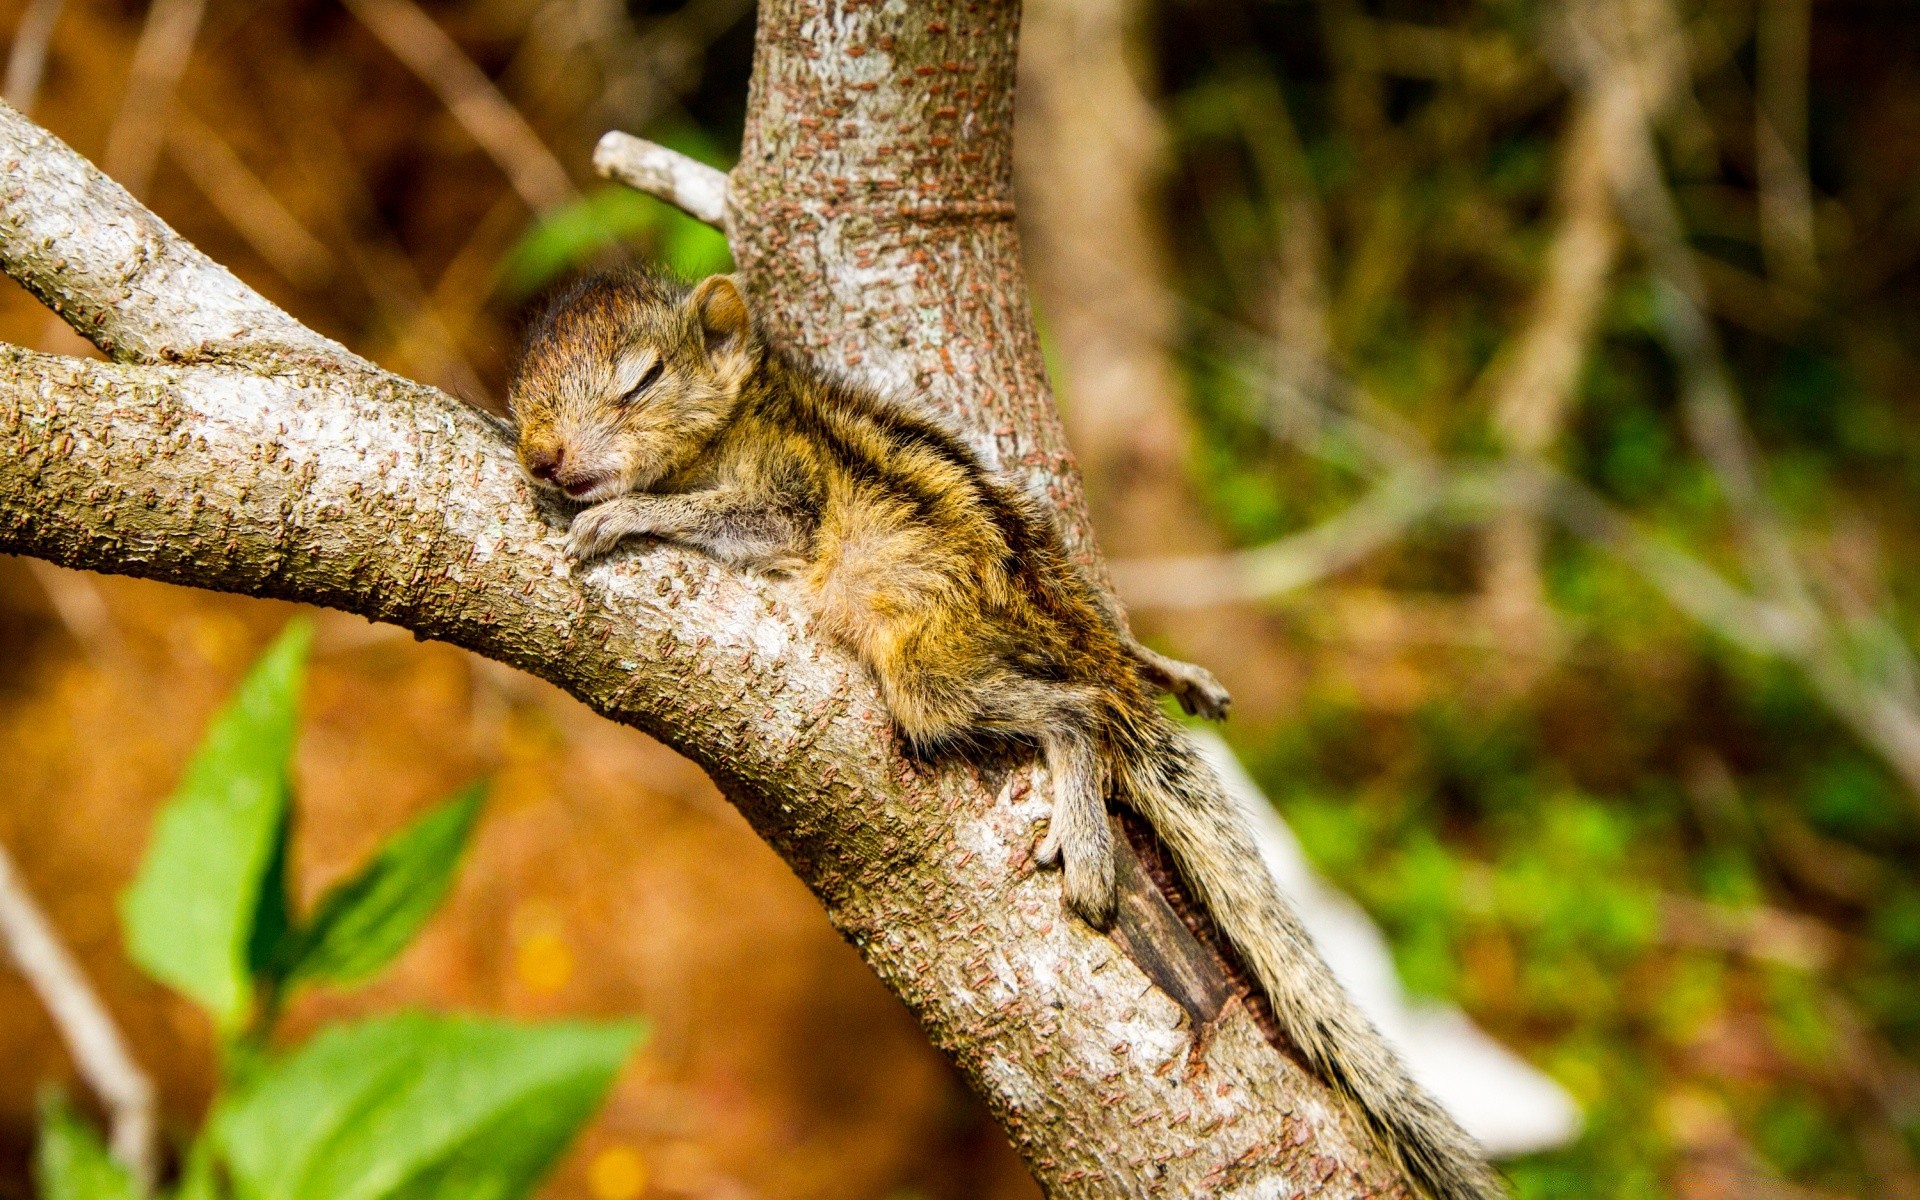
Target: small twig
27 60
688 184
1200 581
480 108
99 1051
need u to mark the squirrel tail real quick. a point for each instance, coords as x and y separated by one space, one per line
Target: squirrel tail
1162 775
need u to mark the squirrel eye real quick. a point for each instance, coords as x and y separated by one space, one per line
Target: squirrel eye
646 381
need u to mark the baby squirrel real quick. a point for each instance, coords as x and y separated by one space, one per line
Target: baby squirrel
663 409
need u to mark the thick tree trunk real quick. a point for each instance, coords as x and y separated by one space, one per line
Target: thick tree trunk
233 449
873 218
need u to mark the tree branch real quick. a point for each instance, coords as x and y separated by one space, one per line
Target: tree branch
115 272
692 186
241 452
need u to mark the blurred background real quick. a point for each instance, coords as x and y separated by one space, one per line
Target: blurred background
1510 401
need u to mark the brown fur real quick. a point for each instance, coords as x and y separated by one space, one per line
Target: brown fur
664 410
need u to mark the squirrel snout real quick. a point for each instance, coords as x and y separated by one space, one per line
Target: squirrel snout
544 463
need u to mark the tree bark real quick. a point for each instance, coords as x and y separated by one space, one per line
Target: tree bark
231 448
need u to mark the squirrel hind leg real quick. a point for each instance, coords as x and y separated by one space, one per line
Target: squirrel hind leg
1079 837
1198 692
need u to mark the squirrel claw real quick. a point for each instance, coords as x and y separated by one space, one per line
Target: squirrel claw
1047 853
1198 692
594 532
1206 697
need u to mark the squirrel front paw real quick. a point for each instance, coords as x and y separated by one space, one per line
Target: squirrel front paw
599 529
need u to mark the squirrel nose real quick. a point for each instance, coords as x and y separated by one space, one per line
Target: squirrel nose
544 463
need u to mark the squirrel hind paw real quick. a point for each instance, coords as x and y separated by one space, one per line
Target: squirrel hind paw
1091 891
1195 687
1047 853
1199 693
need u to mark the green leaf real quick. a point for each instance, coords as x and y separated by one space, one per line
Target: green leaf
200 1176
575 234
363 922
70 1163
190 916
413 1107
273 928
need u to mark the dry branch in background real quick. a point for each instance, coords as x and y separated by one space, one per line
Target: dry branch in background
1863 684
1090 163
1626 63
159 59
273 232
99 1051
27 59
351 222
76 599
232 448
487 116
1538 380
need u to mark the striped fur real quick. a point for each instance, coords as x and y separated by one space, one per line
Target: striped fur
663 409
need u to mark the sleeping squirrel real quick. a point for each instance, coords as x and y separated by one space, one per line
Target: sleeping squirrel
663 409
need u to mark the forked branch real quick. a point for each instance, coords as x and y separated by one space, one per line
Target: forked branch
233 448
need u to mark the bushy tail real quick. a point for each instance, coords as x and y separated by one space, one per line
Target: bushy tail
1162 774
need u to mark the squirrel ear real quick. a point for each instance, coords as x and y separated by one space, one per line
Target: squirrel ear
722 312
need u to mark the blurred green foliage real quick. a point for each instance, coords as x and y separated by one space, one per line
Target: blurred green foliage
71 1164
1658 865
597 225
391 1108
615 221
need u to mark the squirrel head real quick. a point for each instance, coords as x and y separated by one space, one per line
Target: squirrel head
626 377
